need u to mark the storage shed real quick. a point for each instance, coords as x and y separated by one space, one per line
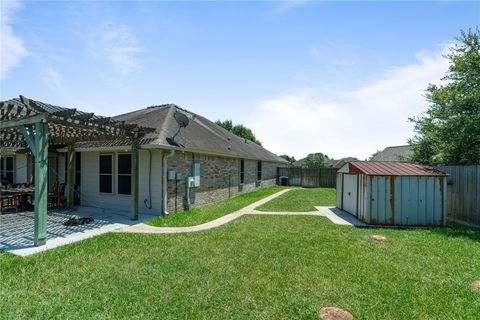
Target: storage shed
393 193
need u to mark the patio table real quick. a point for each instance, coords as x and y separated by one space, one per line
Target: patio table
25 196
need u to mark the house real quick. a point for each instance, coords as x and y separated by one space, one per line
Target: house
394 153
393 193
184 161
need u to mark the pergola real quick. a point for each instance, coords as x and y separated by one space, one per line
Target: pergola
25 122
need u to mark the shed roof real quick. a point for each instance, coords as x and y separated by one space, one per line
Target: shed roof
390 168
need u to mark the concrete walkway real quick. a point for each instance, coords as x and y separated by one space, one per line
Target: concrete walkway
340 217
335 215
144 228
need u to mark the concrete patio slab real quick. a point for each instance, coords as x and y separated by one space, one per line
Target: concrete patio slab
340 217
16 229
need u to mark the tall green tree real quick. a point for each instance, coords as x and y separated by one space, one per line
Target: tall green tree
449 131
290 159
317 160
239 130
373 155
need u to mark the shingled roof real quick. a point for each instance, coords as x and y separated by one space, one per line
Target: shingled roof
201 134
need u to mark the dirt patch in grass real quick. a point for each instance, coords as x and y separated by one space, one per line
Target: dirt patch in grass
334 313
476 284
378 237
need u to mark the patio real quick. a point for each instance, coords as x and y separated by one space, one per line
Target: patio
16 229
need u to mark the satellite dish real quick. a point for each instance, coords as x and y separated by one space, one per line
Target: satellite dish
182 119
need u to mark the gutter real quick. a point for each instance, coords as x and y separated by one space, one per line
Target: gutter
164 183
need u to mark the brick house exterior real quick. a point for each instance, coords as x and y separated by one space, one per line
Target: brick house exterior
178 141
219 180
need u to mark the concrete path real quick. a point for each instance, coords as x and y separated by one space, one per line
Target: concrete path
335 215
144 228
340 217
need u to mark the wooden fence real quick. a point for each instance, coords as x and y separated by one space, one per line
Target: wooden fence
309 178
463 193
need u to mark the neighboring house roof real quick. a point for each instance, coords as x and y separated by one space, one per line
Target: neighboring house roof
336 163
299 163
394 153
201 134
390 168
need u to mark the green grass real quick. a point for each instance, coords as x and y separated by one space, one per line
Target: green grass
301 200
256 267
212 211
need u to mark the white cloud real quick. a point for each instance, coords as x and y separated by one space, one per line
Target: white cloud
354 123
12 50
53 80
117 44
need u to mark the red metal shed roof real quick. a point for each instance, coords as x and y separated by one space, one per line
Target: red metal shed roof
392 168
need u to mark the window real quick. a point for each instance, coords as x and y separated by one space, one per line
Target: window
106 176
259 170
6 169
242 171
124 174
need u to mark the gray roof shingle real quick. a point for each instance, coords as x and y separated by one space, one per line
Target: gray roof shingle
201 134
395 153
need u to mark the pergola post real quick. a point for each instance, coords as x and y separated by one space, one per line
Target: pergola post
135 168
70 176
41 183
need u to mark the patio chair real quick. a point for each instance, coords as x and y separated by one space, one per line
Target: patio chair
56 199
9 202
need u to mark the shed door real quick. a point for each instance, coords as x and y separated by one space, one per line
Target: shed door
350 189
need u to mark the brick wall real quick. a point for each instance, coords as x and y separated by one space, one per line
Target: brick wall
219 179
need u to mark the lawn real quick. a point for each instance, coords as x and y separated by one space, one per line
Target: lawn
256 267
301 200
213 211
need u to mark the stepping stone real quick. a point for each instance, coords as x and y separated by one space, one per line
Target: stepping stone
334 313
378 237
476 284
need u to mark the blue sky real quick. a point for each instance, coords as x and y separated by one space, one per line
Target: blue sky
336 77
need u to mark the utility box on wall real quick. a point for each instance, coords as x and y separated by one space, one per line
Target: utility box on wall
171 174
196 173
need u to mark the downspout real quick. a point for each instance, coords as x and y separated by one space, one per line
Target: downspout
165 193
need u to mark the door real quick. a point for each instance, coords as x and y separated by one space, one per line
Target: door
350 189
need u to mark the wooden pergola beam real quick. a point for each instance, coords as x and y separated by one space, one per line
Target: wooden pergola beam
15 123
